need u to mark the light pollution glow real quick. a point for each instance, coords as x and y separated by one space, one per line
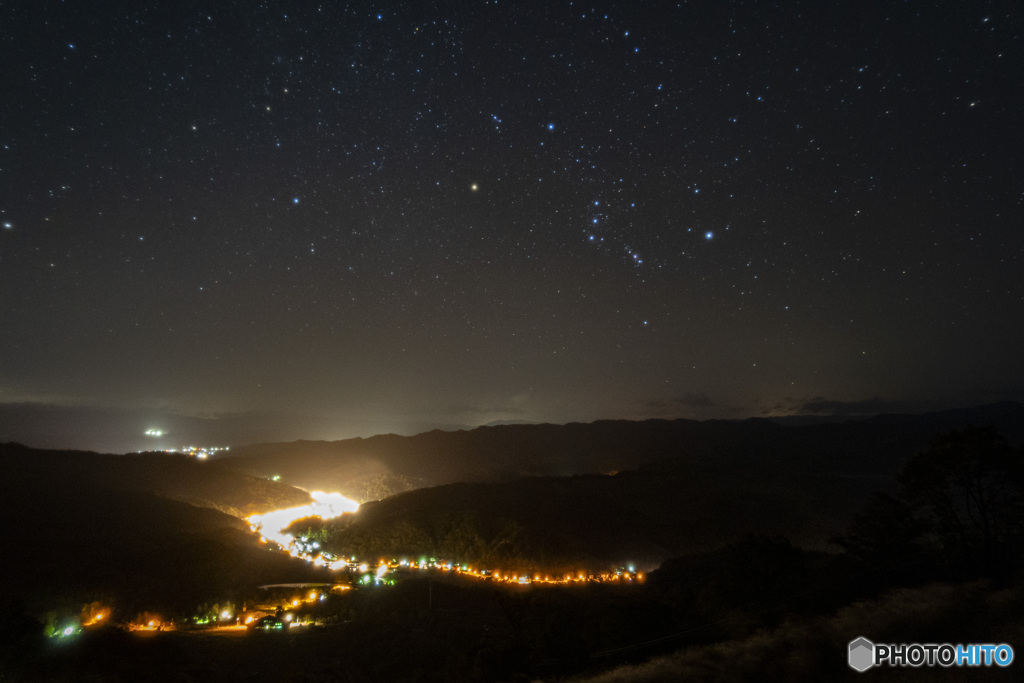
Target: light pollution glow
271 525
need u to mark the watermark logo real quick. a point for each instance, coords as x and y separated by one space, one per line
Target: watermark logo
864 654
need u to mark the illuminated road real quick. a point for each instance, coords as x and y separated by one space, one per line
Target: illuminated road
271 525
271 528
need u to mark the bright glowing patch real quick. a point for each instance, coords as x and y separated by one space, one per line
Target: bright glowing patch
271 525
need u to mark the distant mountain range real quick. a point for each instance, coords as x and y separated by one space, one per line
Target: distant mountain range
380 466
160 529
611 491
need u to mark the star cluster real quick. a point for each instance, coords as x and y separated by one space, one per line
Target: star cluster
452 213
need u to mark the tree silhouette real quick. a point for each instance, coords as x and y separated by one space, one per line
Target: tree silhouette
889 538
959 512
968 489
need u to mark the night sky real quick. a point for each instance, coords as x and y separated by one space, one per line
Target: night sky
245 221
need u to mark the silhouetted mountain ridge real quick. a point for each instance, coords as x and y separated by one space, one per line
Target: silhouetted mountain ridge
373 468
697 486
200 482
82 526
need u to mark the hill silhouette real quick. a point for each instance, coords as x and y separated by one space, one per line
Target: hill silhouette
170 475
380 466
716 496
695 486
81 526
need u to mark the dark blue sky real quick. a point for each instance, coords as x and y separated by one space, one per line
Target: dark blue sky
323 221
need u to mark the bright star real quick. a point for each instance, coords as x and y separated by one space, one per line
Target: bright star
708 235
295 200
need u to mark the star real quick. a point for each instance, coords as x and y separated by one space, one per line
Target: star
389 130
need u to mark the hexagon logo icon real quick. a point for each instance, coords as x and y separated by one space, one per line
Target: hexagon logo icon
862 654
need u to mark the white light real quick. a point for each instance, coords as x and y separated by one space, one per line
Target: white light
325 506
